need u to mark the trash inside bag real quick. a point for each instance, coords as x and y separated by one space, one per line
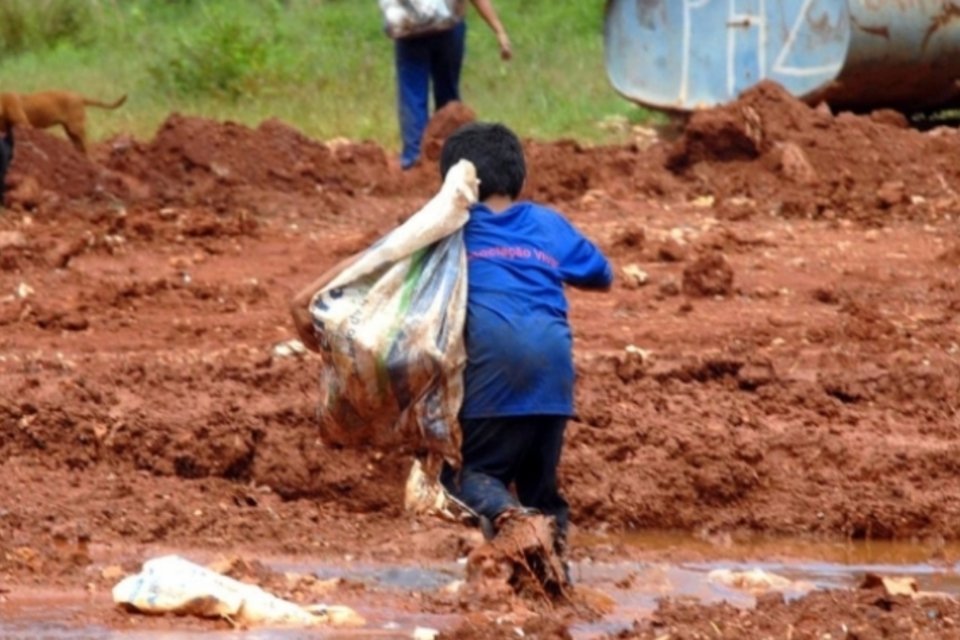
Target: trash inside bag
404 18
390 330
171 584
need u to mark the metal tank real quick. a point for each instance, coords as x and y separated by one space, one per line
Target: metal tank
856 54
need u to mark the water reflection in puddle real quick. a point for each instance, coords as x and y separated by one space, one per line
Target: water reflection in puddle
824 564
407 578
634 586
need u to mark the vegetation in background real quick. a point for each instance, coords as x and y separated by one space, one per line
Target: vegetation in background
322 65
227 58
43 24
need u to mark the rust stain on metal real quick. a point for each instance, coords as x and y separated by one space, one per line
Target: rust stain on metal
819 25
881 31
647 10
822 26
949 13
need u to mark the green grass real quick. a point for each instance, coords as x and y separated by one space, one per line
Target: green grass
322 65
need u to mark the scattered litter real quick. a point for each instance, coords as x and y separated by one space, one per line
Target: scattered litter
703 202
634 351
901 586
455 586
288 349
757 581
14 239
171 584
424 495
24 290
635 276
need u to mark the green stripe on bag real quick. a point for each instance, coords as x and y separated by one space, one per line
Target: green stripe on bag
417 261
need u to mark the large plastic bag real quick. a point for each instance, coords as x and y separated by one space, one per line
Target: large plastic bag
390 330
405 18
171 584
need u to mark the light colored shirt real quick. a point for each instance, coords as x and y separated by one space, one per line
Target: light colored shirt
405 18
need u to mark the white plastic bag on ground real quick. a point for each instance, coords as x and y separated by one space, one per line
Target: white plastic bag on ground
390 329
171 584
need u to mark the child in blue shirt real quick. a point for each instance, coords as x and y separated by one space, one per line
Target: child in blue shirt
519 375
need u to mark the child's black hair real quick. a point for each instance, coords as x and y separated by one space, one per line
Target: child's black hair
494 150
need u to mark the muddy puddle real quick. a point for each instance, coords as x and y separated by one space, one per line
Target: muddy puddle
674 566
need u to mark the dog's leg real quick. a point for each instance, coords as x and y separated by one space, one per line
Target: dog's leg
77 135
75 124
78 141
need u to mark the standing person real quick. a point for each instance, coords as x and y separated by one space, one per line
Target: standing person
519 378
429 44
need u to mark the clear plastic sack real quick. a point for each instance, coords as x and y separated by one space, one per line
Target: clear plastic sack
390 330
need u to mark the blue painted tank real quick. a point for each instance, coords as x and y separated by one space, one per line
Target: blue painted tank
858 54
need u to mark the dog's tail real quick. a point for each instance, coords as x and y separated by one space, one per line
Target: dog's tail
105 105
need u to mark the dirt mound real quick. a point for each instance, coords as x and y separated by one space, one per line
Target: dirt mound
790 159
565 171
766 153
197 161
48 168
862 613
443 123
200 160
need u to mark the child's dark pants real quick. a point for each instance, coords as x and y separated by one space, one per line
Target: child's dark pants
523 450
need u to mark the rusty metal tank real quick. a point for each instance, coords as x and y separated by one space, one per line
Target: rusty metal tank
683 55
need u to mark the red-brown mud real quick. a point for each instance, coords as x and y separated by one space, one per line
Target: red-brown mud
143 291
853 614
443 123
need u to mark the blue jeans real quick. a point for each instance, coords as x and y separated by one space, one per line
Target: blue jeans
519 450
420 59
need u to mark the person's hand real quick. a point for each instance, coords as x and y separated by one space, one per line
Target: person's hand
506 52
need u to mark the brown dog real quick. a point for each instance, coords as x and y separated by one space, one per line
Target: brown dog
49 108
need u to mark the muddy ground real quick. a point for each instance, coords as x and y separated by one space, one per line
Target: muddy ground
780 353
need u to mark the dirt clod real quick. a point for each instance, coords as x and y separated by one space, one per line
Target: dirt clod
708 275
443 123
670 250
521 560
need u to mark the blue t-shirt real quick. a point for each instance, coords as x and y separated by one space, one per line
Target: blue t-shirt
519 346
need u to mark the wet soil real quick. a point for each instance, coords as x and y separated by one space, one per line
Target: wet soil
863 613
788 364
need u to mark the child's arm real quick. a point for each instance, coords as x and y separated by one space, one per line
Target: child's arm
602 288
300 303
582 264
